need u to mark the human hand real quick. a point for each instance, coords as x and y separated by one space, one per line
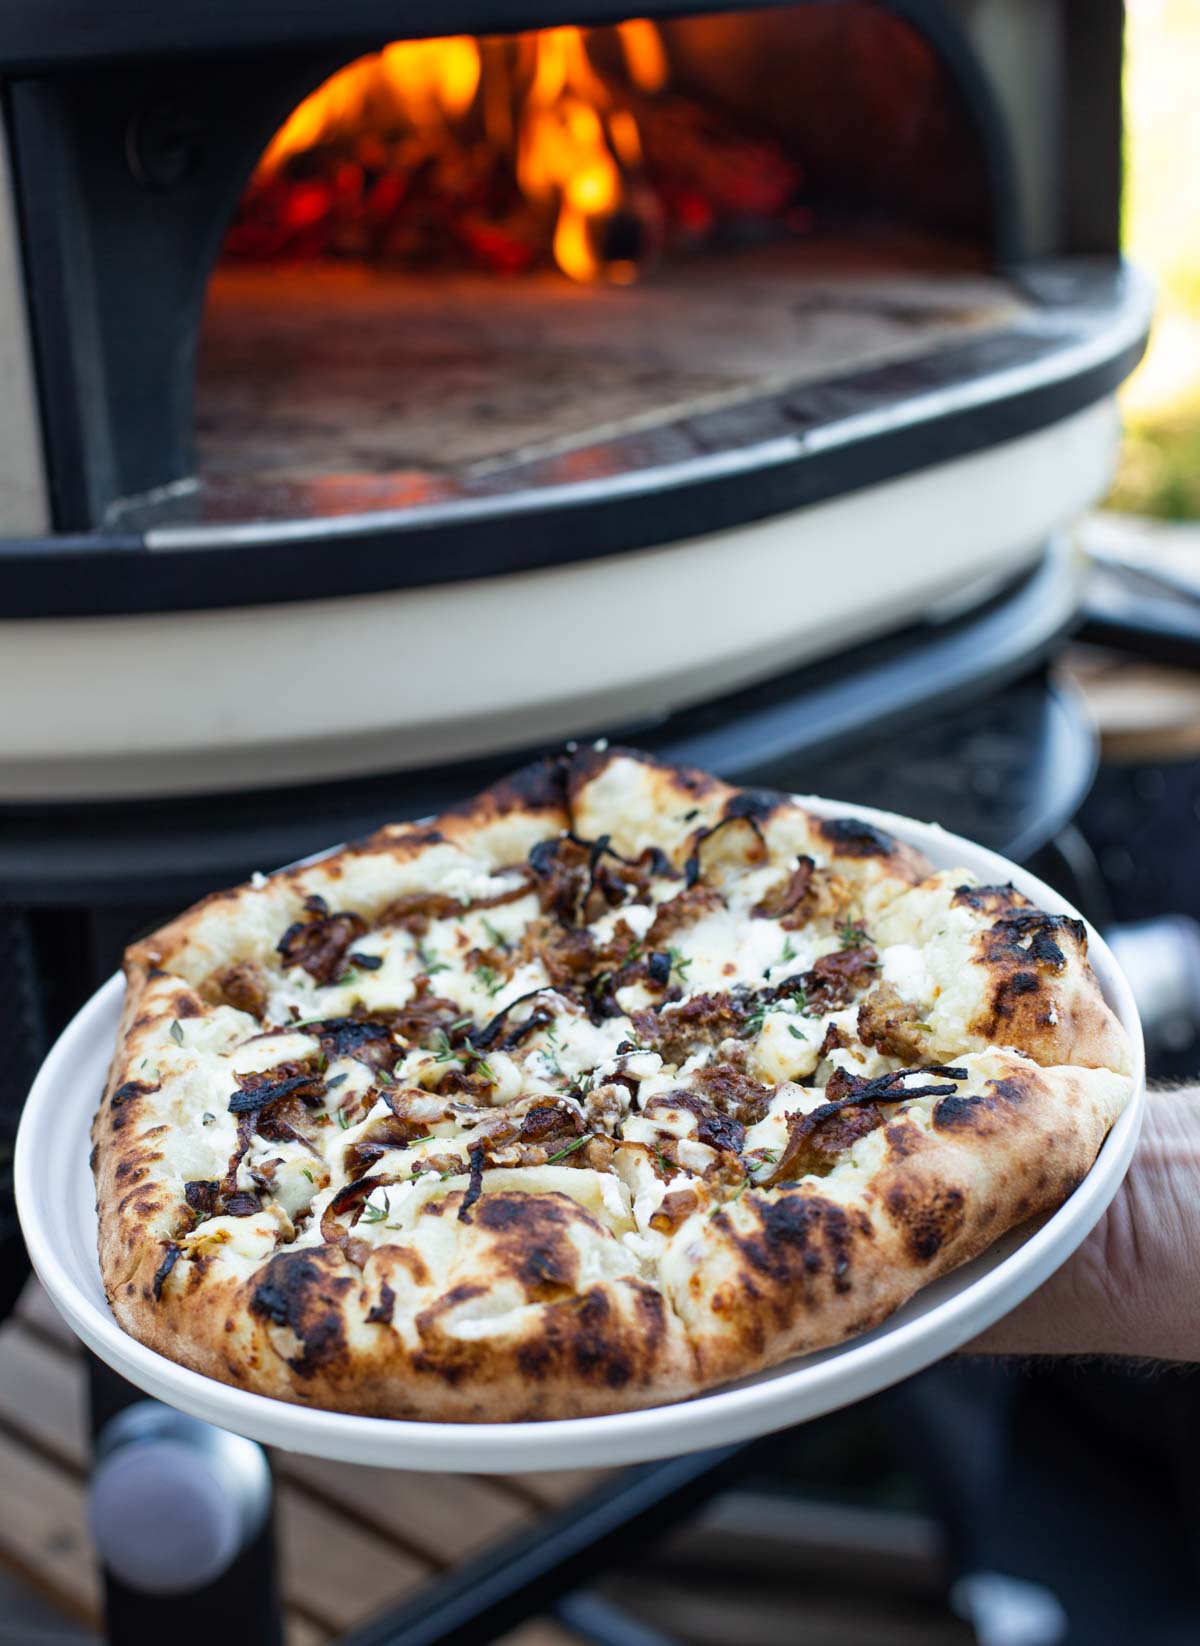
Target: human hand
1133 1287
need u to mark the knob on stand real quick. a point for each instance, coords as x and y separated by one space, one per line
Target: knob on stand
180 1512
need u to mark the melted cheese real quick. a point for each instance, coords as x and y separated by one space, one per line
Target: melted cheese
476 962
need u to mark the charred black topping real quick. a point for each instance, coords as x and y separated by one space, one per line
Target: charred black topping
889 1088
579 877
544 855
361 1038
131 1089
660 864
653 860
692 868
242 1204
318 944
477 1158
851 837
170 1259
201 1195
485 1039
601 882
248 1098
380 1314
546 1121
786 898
350 1198
832 979
818 1139
721 1131
365 962
658 968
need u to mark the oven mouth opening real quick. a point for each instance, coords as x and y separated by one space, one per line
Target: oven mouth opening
600 151
460 257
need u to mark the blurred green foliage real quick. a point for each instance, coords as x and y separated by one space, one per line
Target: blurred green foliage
1160 465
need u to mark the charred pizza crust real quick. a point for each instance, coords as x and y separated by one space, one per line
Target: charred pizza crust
608 1086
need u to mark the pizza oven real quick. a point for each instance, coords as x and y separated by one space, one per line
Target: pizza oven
393 390
390 386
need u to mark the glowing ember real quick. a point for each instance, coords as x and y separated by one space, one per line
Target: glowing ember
501 153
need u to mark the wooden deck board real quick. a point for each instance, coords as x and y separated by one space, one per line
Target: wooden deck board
43 1532
352 1540
444 1518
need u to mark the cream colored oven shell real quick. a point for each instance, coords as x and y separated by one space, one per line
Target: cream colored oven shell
237 699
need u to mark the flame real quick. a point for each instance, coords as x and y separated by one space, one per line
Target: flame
575 143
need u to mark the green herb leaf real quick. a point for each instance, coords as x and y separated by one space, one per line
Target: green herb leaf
486 1070
732 1199
386 1076
680 963
663 1161
570 1149
788 952
374 1214
177 1031
851 934
550 1050
796 1034
443 1051
347 977
307 1174
342 1119
495 938
430 963
461 1022
338 1080
489 978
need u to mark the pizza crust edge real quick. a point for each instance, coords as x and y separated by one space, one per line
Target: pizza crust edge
794 1274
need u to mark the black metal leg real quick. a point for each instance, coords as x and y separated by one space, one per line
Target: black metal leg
597 1620
239 1607
22 1042
526 1575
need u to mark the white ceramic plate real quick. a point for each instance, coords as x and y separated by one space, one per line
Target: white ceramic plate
55 1198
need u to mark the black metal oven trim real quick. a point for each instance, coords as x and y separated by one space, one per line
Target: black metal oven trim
108 573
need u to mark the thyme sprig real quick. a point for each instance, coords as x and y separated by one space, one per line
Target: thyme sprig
571 1147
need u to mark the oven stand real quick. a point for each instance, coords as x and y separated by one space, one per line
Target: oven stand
545 1567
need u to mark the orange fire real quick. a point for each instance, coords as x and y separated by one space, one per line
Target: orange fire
569 126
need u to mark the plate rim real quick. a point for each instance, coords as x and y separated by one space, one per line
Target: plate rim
775 1399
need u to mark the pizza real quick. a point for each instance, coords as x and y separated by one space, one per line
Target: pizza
606 1087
